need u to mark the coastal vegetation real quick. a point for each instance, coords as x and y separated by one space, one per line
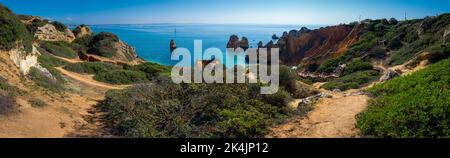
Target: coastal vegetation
114 74
165 109
352 81
415 106
8 95
91 67
54 83
12 30
59 48
103 44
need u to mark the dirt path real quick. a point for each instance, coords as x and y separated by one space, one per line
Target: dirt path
87 79
331 118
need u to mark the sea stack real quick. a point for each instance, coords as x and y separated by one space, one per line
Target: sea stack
235 43
173 45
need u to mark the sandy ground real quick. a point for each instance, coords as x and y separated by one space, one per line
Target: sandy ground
88 79
331 118
68 114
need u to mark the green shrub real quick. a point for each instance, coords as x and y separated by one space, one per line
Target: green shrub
42 79
91 67
59 48
8 95
37 103
59 26
103 44
13 30
104 48
438 52
121 77
352 81
151 69
330 65
290 82
357 65
7 103
288 78
13 90
48 60
35 24
164 109
412 106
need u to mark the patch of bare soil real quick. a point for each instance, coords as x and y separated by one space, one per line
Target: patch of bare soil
331 118
67 114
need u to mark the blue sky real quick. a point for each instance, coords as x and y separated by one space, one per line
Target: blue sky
225 11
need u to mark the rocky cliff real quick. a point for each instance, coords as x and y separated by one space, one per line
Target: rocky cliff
48 32
304 44
108 45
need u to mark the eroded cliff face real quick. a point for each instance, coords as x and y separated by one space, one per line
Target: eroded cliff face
48 32
25 61
320 44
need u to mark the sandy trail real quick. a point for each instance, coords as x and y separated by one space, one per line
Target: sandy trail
332 118
88 79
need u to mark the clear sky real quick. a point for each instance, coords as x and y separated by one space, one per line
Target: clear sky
225 11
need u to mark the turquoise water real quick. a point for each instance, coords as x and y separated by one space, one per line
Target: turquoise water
152 41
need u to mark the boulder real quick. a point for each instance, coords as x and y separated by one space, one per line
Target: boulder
388 75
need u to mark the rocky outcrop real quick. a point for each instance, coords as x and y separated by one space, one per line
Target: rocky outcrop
446 35
82 31
388 75
315 46
25 61
109 46
235 43
48 32
173 45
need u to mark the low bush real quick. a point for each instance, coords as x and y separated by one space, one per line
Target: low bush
37 103
103 44
290 82
357 65
7 103
121 77
415 106
48 60
55 83
164 109
59 48
8 95
151 69
91 67
438 52
352 81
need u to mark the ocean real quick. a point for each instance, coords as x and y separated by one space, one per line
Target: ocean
152 40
